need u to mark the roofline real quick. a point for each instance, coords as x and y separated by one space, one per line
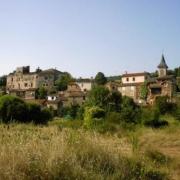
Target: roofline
135 74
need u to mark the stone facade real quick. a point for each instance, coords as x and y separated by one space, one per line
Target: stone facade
24 83
85 84
163 85
131 84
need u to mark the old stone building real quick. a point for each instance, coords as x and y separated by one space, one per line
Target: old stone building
163 85
85 84
131 84
24 83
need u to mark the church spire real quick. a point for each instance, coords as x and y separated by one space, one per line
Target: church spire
163 64
162 67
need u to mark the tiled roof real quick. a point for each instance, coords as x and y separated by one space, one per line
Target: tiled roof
135 74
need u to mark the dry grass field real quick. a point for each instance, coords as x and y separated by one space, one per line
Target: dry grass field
56 152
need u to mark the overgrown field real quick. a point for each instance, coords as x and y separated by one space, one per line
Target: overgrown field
58 151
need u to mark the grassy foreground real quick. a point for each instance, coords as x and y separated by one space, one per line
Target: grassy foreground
54 152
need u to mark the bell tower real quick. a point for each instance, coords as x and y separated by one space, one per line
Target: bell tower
162 67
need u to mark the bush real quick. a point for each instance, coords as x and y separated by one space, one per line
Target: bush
38 116
45 116
71 111
113 117
130 112
12 109
151 117
163 106
34 112
93 115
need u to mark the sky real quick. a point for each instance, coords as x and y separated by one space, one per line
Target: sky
84 37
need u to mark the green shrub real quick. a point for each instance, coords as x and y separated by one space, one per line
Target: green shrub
130 112
34 112
71 111
163 106
93 115
113 117
151 117
12 109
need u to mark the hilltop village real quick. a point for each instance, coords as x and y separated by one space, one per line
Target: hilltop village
25 84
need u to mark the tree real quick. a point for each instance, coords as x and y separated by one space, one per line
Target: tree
41 93
115 100
100 79
3 81
98 96
144 91
130 112
63 81
12 108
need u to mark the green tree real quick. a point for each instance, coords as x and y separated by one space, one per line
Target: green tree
162 104
12 108
63 81
115 100
3 81
130 112
100 79
98 96
93 115
144 91
41 93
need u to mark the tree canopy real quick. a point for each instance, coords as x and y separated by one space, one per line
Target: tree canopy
100 79
63 81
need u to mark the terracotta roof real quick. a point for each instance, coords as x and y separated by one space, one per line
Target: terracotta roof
135 74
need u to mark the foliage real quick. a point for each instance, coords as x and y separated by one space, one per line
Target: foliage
115 100
113 117
41 93
130 112
100 79
45 116
92 116
3 81
15 109
12 108
98 96
162 105
69 112
151 117
144 91
63 81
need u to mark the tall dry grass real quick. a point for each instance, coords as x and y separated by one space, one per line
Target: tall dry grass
34 152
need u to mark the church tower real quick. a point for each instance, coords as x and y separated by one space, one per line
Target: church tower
162 67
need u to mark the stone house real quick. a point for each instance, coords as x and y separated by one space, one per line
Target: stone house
163 85
131 84
71 97
24 83
85 84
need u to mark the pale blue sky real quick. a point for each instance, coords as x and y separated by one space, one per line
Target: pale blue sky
87 36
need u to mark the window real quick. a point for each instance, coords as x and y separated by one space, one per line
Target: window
127 79
31 84
25 84
133 78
